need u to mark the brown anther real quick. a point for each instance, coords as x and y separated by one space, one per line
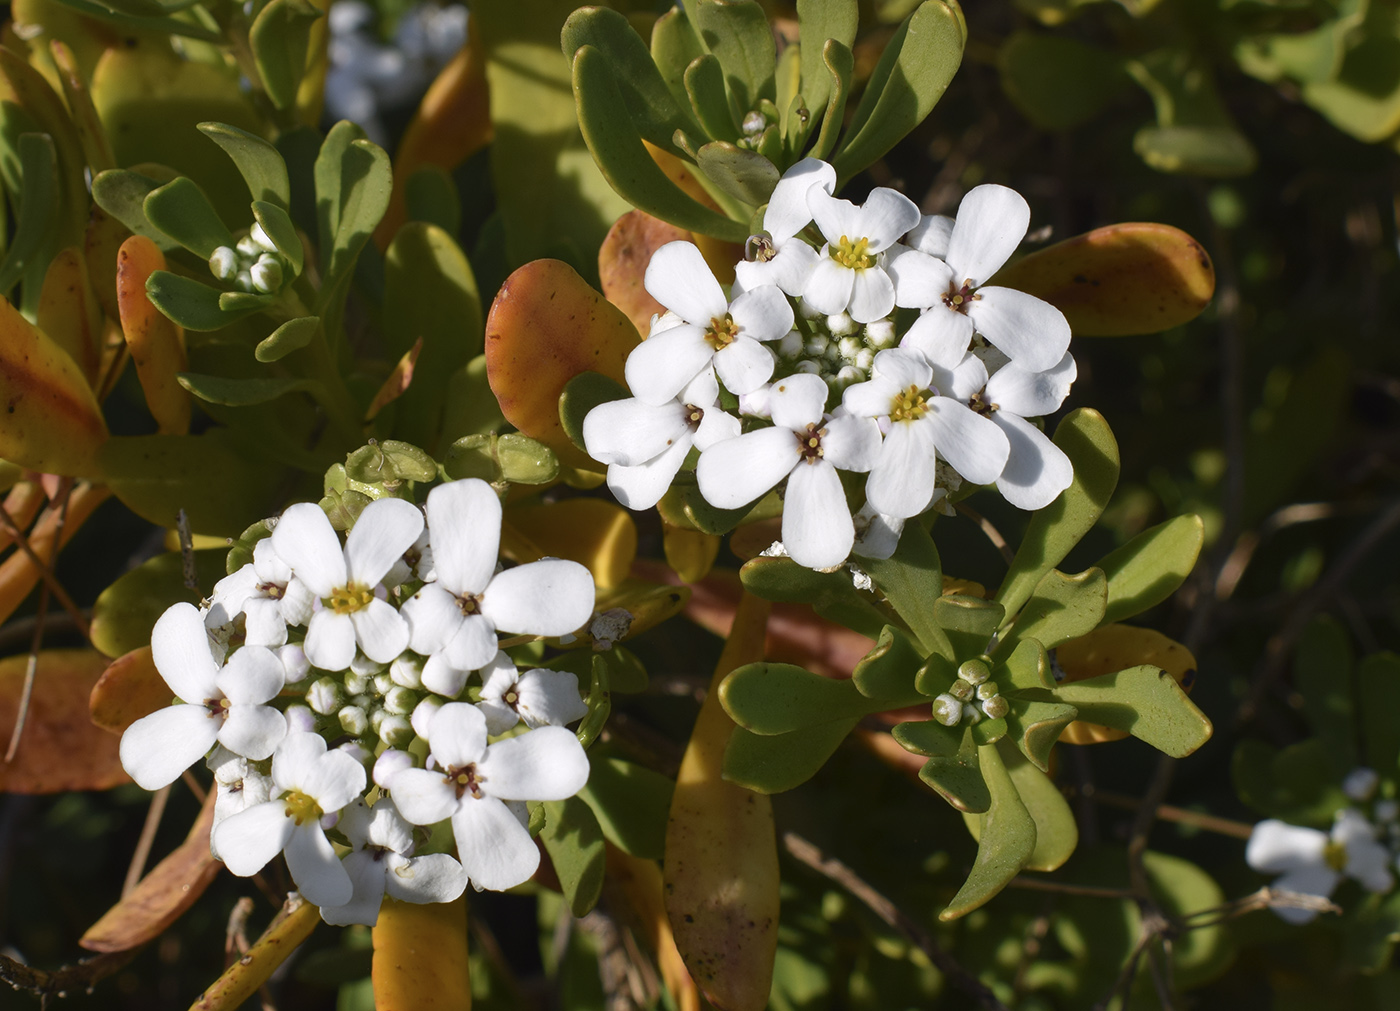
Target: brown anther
809 443
469 604
693 416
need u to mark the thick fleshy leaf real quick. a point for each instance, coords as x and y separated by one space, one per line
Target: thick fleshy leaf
574 842
128 689
1062 607
1007 839
1147 702
69 311
127 610
402 977
1056 833
596 534
1149 568
1114 647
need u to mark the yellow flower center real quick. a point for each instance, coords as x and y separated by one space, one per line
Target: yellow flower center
908 405
722 332
852 254
301 808
1334 854
349 598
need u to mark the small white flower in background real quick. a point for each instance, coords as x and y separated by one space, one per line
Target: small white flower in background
382 863
347 579
459 613
221 703
806 446
239 784
310 783
782 258
947 275
1313 862
712 331
644 445
849 275
1360 783
541 697
473 783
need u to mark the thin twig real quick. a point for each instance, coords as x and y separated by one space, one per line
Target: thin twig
45 571
76 978
836 871
989 529
182 528
235 934
1180 815
1065 888
137 867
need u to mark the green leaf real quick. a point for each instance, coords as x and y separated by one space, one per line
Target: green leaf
929 738
968 623
936 674
244 301
182 211
622 671
1182 888
580 395
431 196
257 160
704 84
122 194
651 104
1322 673
277 223
1300 783
1194 133
1036 723
625 162
1088 442
280 39
1056 832
913 72
471 408
888 670
192 304
958 778
1006 839
674 45
1061 608
290 336
777 698
353 183
389 462
1026 667
1149 568
38 206
631 803
783 761
840 65
511 457
574 842
1378 684
1145 701
1058 83
161 25
241 392
831 594
744 175
912 581
738 33
125 612
817 22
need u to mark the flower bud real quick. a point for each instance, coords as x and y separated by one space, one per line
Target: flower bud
294 661
407 670
366 667
357 684
971 713
223 263
1360 783
325 696
396 731
809 311
807 365
841 325
865 360
947 710
961 690
300 719
244 281
400 701
880 334
353 720
382 683
754 124
388 765
987 690
790 345
850 347
423 714
972 671
357 751
377 715
848 376
257 234
996 707
249 247
816 345
266 274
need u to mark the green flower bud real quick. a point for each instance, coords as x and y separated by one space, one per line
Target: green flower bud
974 671
396 731
325 696
400 700
407 670
383 683
377 716
987 690
353 720
841 325
266 274
961 690
223 263
996 707
357 684
947 710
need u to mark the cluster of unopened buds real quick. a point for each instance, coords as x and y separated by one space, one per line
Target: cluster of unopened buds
971 696
329 686
806 344
253 265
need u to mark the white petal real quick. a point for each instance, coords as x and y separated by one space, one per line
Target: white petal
679 278
330 640
920 280
877 535
763 313
157 748
253 731
367 881
253 675
248 840
737 471
662 365
432 878
798 401
630 432
385 530
904 369
441 677
295 758
931 235
496 850
885 217
901 482
835 218
829 285
459 736
423 797
297 603
941 335
1037 470
788 212
1032 333
264 624
304 539
1276 846
976 448
180 649
817 527
871 399
872 295
230 594
334 781
499 716
1031 394
851 443
716 426
991 222
744 365
315 867
269 565
1312 880
473 645
642 486
548 597
380 630
789 268
464 522
434 616
550 698
963 381
544 764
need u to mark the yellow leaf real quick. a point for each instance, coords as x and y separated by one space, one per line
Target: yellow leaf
69 311
1114 648
157 343
690 553
420 957
597 534
18 575
634 886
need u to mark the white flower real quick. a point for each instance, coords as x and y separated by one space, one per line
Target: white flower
1360 783
541 697
383 863
267 593
346 580
474 781
239 783
459 613
310 783
877 534
1036 470
951 281
782 258
922 425
224 704
712 330
849 275
416 563
806 446
1313 863
645 444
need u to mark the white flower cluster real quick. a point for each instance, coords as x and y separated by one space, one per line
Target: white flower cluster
807 342
1311 862
331 683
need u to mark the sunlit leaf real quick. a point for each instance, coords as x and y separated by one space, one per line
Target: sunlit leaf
574 843
156 343
126 611
69 312
1061 608
182 211
598 534
1007 839
280 39
128 689
1144 700
1149 568
631 803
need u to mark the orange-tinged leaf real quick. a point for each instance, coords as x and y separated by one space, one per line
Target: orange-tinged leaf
1114 648
292 925
1119 280
591 531
633 886
61 749
103 238
51 420
157 343
128 689
420 957
69 311
546 326
18 575
452 123
721 868
398 381
163 895
22 504
690 553
623 259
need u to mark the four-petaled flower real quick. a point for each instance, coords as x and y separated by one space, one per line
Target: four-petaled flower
1313 862
849 275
